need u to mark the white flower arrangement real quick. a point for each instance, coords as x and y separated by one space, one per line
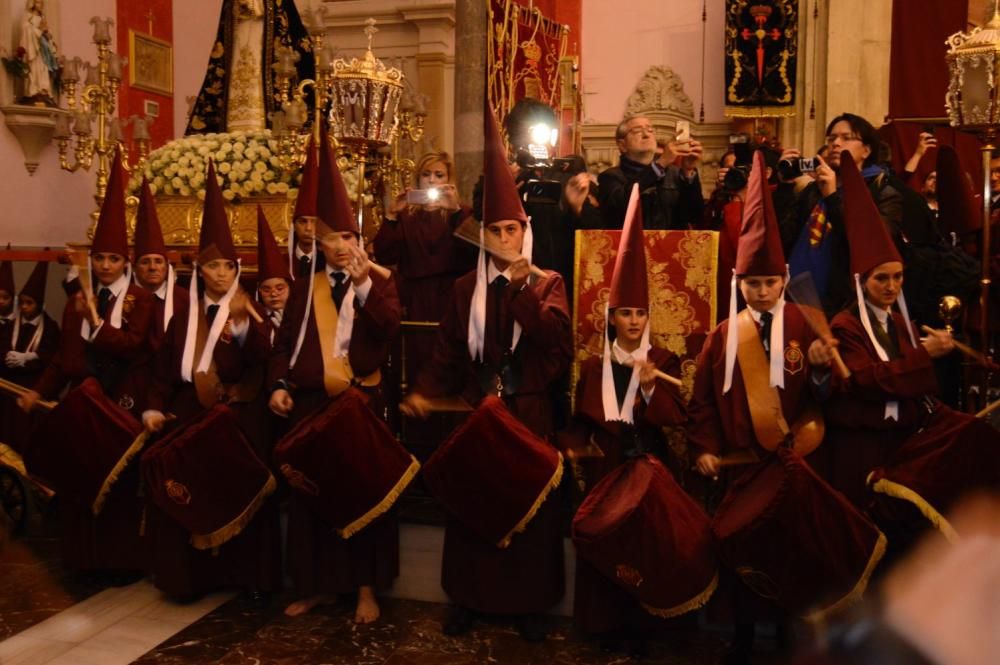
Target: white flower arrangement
246 165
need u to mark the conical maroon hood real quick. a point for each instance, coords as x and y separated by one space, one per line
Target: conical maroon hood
758 251
957 208
35 286
333 205
867 235
7 276
500 198
111 234
305 204
271 262
215 241
148 234
630 281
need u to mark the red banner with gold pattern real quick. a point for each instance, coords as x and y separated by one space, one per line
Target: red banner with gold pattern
523 52
682 293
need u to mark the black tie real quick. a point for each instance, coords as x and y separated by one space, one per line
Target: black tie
499 320
765 331
212 311
103 298
305 265
339 289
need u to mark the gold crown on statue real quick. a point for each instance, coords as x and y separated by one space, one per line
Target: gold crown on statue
761 10
366 96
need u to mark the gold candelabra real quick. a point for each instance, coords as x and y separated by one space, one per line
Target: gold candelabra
97 101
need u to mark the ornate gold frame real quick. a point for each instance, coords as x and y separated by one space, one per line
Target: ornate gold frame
141 47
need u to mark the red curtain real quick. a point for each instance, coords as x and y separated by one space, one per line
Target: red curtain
918 76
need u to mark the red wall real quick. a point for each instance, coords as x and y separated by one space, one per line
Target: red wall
132 14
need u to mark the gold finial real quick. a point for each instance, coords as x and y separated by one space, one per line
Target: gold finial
948 309
370 31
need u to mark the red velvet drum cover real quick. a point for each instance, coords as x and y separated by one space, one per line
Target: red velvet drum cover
83 445
643 532
794 539
953 455
206 477
493 473
345 462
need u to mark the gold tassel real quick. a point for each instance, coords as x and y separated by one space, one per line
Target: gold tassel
695 603
897 491
222 535
383 505
820 615
523 524
133 449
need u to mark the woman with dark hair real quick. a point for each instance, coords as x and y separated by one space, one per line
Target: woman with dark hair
811 220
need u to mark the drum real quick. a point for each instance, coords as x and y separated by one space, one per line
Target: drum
83 445
345 462
795 540
953 455
206 476
643 532
493 473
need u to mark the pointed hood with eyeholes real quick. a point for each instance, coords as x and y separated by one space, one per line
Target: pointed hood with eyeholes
871 246
629 288
305 204
111 233
215 242
758 253
957 207
501 202
149 240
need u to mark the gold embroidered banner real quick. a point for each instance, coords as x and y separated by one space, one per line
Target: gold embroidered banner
682 293
762 38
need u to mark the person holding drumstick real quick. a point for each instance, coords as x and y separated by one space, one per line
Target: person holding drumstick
212 352
768 350
104 329
335 334
507 335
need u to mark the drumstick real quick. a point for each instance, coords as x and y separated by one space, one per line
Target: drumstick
966 350
448 404
18 390
802 291
81 260
469 232
989 409
666 377
738 458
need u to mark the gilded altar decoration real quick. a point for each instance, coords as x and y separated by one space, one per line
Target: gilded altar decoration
682 296
525 49
240 69
761 55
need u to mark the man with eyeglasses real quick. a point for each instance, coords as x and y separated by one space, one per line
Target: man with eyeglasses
811 219
671 195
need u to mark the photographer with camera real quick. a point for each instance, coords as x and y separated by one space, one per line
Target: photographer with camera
811 219
671 194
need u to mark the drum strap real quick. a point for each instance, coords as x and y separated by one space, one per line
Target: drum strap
338 375
209 387
769 424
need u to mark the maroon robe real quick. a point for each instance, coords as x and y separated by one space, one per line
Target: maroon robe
110 541
527 576
600 605
720 424
140 375
15 424
319 561
859 436
252 559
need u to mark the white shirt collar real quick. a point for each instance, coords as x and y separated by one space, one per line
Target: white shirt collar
774 311
627 358
9 317
161 292
881 314
492 272
331 271
299 253
32 322
116 287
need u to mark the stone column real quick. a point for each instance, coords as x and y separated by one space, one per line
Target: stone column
436 70
470 88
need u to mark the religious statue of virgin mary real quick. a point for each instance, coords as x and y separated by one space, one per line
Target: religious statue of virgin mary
240 86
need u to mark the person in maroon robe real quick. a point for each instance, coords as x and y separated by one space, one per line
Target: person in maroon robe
274 280
320 562
303 259
101 340
508 335
721 426
7 290
25 349
237 349
621 407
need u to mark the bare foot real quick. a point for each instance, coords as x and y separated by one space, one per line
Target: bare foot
300 607
367 610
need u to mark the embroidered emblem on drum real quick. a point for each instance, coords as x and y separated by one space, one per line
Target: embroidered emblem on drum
126 402
178 493
128 304
299 480
628 575
793 357
759 582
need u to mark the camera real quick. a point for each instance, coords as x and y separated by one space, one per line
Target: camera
423 196
736 178
790 169
545 192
